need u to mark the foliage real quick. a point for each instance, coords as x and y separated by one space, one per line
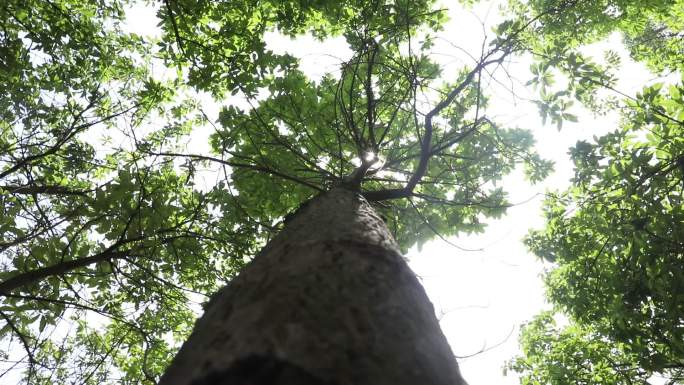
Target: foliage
110 239
616 234
92 230
559 31
573 355
651 29
615 237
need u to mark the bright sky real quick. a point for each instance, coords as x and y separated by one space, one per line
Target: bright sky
481 297
485 296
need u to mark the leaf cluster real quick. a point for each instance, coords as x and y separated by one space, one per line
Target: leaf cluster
615 236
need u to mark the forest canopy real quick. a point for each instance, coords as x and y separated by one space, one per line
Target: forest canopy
114 229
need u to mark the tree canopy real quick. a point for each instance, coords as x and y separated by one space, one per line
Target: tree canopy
616 236
111 236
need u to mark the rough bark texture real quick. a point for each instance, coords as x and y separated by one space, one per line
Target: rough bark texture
329 301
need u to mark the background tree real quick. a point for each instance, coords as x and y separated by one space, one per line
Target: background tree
101 245
574 355
615 237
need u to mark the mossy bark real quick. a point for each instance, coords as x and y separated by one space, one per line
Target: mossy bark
330 300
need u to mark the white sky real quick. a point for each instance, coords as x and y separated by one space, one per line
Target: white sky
482 297
487 295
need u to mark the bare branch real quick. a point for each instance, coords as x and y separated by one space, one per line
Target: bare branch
242 165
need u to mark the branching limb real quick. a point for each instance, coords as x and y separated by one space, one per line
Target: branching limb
425 145
254 167
24 342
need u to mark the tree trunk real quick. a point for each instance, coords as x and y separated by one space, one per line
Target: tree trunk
330 300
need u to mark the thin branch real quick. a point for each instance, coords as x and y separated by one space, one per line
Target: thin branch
486 349
73 130
33 276
174 26
425 148
242 165
437 233
22 338
45 190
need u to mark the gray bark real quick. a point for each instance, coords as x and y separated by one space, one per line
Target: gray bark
330 300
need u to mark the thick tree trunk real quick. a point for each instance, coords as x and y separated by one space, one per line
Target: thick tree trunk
329 301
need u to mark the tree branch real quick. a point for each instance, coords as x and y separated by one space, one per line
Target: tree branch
425 146
242 165
45 189
33 276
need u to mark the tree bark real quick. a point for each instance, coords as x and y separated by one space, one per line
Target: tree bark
330 301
